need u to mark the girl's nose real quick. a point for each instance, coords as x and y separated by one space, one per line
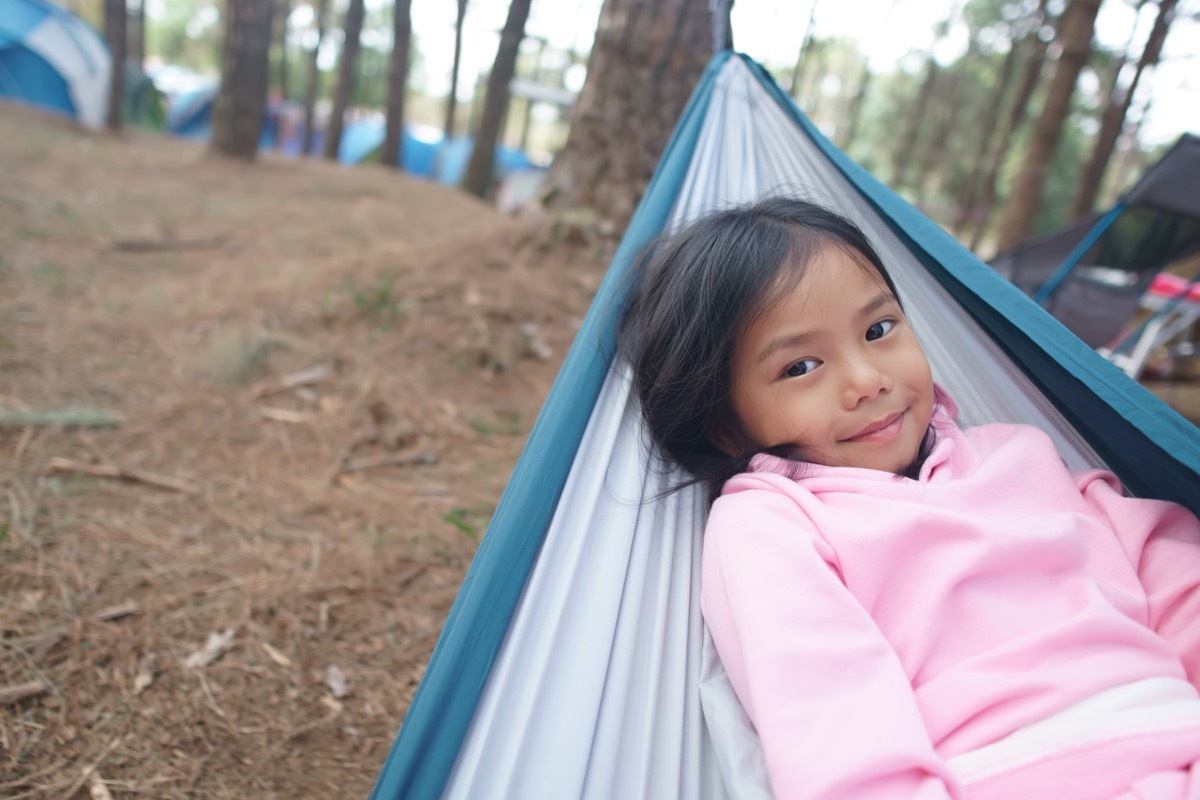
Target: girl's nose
864 379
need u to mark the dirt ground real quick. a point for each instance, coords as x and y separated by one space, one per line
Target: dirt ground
253 421
288 397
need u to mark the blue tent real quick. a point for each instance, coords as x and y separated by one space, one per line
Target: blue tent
574 662
50 58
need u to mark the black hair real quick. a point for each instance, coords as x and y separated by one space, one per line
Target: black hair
693 296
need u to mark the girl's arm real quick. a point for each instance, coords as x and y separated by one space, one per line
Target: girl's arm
829 698
1162 541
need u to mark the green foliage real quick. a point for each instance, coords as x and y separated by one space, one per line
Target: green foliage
377 301
471 521
188 33
507 423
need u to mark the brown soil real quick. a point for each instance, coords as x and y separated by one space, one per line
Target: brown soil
322 528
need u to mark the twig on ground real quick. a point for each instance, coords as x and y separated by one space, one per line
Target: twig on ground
67 417
22 443
39 644
118 611
283 415
167 245
305 377
21 691
90 768
120 473
386 460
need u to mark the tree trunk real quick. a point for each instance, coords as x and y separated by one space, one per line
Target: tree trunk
393 142
645 62
937 143
114 31
452 98
969 193
1016 117
285 11
238 110
906 145
139 53
847 132
1075 36
347 71
478 177
1115 112
802 57
314 77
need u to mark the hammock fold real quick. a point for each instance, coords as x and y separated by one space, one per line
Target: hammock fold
574 662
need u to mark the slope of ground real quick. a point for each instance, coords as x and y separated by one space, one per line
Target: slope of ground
308 386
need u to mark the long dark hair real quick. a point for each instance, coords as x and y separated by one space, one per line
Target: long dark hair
693 296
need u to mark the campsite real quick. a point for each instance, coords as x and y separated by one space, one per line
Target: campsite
328 525
318 477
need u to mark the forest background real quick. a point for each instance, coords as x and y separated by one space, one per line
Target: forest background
935 97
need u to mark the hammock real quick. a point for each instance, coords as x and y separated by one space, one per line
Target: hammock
574 662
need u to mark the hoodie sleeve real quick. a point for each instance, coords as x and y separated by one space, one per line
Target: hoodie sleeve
1162 541
832 705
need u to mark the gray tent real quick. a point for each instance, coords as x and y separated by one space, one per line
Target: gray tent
1092 274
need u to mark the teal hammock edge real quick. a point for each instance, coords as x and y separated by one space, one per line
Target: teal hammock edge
1151 447
429 740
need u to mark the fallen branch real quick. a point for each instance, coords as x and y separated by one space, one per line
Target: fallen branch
119 473
283 415
21 691
91 768
305 377
66 417
116 612
387 460
39 644
167 245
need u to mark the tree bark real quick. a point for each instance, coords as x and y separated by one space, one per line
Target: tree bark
139 53
1016 117
114 31
347 72
1115 112
285 11
478 177
393 142
847 132
238 110
452 98
1075 36
314 77
937 143
965 201
645 62
802 57
906 147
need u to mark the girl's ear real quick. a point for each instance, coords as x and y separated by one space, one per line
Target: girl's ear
725 438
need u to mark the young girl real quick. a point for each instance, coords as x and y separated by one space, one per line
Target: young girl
904 608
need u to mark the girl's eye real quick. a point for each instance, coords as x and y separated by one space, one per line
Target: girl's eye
880 329
801 367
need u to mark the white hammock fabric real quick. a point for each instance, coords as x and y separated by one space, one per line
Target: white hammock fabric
596 692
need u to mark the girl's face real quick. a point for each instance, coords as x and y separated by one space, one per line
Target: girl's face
833 368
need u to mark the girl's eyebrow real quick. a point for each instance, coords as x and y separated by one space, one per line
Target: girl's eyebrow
798 338
879 301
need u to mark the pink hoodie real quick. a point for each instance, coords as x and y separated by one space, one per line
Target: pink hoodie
877 628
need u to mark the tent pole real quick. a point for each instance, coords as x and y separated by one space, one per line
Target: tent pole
1042 295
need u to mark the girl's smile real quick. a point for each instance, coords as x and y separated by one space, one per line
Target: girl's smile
833 369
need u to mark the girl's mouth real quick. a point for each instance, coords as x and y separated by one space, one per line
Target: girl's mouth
879 431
